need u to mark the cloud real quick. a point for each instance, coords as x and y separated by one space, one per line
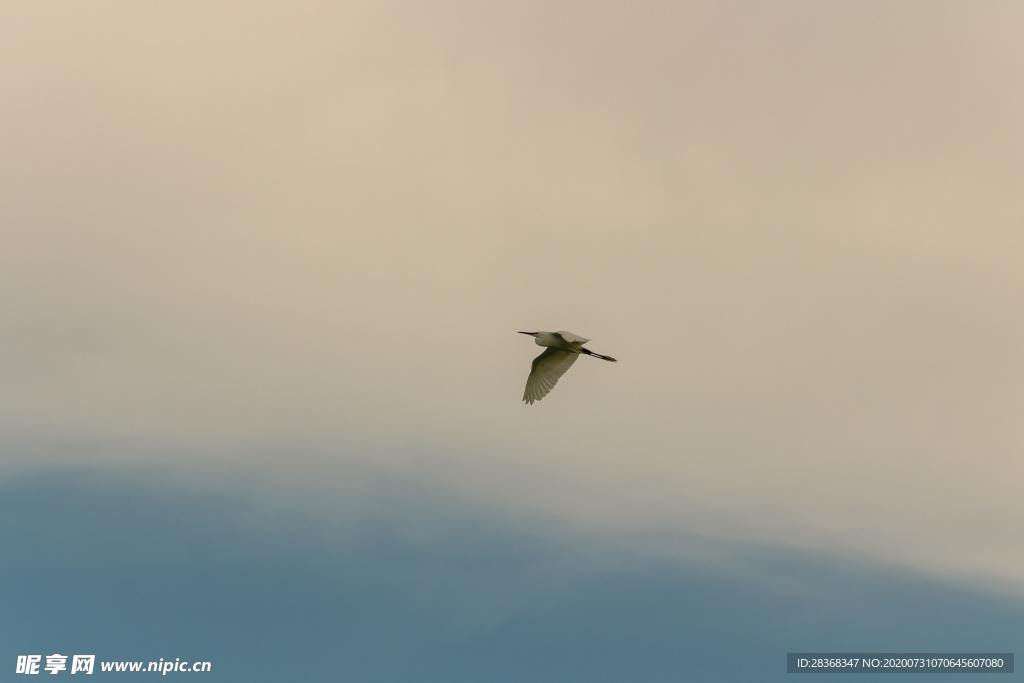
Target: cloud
797 229
389 583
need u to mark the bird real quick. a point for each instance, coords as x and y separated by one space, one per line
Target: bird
563 348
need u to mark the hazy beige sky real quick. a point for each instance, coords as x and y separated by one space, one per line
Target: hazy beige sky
318 225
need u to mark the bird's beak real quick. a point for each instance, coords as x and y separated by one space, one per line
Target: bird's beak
532 334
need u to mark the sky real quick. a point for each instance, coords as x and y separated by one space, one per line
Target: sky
262 268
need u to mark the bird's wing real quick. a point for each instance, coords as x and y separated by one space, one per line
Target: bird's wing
547 368
571 338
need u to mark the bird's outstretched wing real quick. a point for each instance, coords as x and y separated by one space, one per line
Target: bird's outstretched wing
572 338
547 368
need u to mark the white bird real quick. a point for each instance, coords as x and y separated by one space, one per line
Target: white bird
563 348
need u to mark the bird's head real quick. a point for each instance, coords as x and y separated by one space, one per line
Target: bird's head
532 334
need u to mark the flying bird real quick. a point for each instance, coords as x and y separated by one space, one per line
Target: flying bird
563 348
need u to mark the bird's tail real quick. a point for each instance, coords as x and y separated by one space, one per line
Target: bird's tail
598 355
